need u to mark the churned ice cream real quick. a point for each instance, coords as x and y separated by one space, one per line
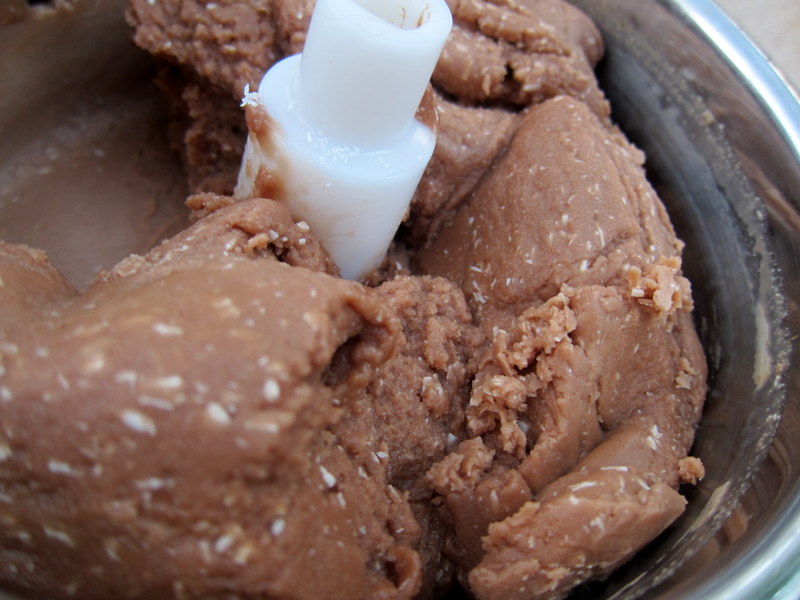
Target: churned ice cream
506 405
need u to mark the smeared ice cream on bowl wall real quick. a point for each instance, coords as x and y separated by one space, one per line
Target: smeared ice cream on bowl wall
508 407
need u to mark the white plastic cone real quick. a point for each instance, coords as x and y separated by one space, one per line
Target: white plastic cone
343 142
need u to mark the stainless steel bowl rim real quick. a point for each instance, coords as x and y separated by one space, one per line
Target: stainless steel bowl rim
771 567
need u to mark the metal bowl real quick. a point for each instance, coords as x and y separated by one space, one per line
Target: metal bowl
721 131
722 135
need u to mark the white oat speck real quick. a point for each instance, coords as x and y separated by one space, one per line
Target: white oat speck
271 390
278 527
166 329
158 403
217 413
62 537
243 554
327 477
96 363
249 98
169 382
62 468
125 377
582 485
153 483
111 547
63 381
9 348
23 536
138 422
598 522
223 543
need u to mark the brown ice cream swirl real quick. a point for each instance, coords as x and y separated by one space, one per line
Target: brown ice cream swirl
510 403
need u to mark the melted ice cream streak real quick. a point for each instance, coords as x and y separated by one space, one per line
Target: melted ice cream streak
343 143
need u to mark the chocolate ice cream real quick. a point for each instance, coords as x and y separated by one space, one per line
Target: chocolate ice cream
508 404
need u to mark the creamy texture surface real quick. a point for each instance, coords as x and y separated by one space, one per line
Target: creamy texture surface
508 405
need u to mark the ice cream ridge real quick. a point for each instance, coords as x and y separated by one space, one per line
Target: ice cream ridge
502 402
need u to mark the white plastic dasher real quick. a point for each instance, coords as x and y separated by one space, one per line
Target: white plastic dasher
342 140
